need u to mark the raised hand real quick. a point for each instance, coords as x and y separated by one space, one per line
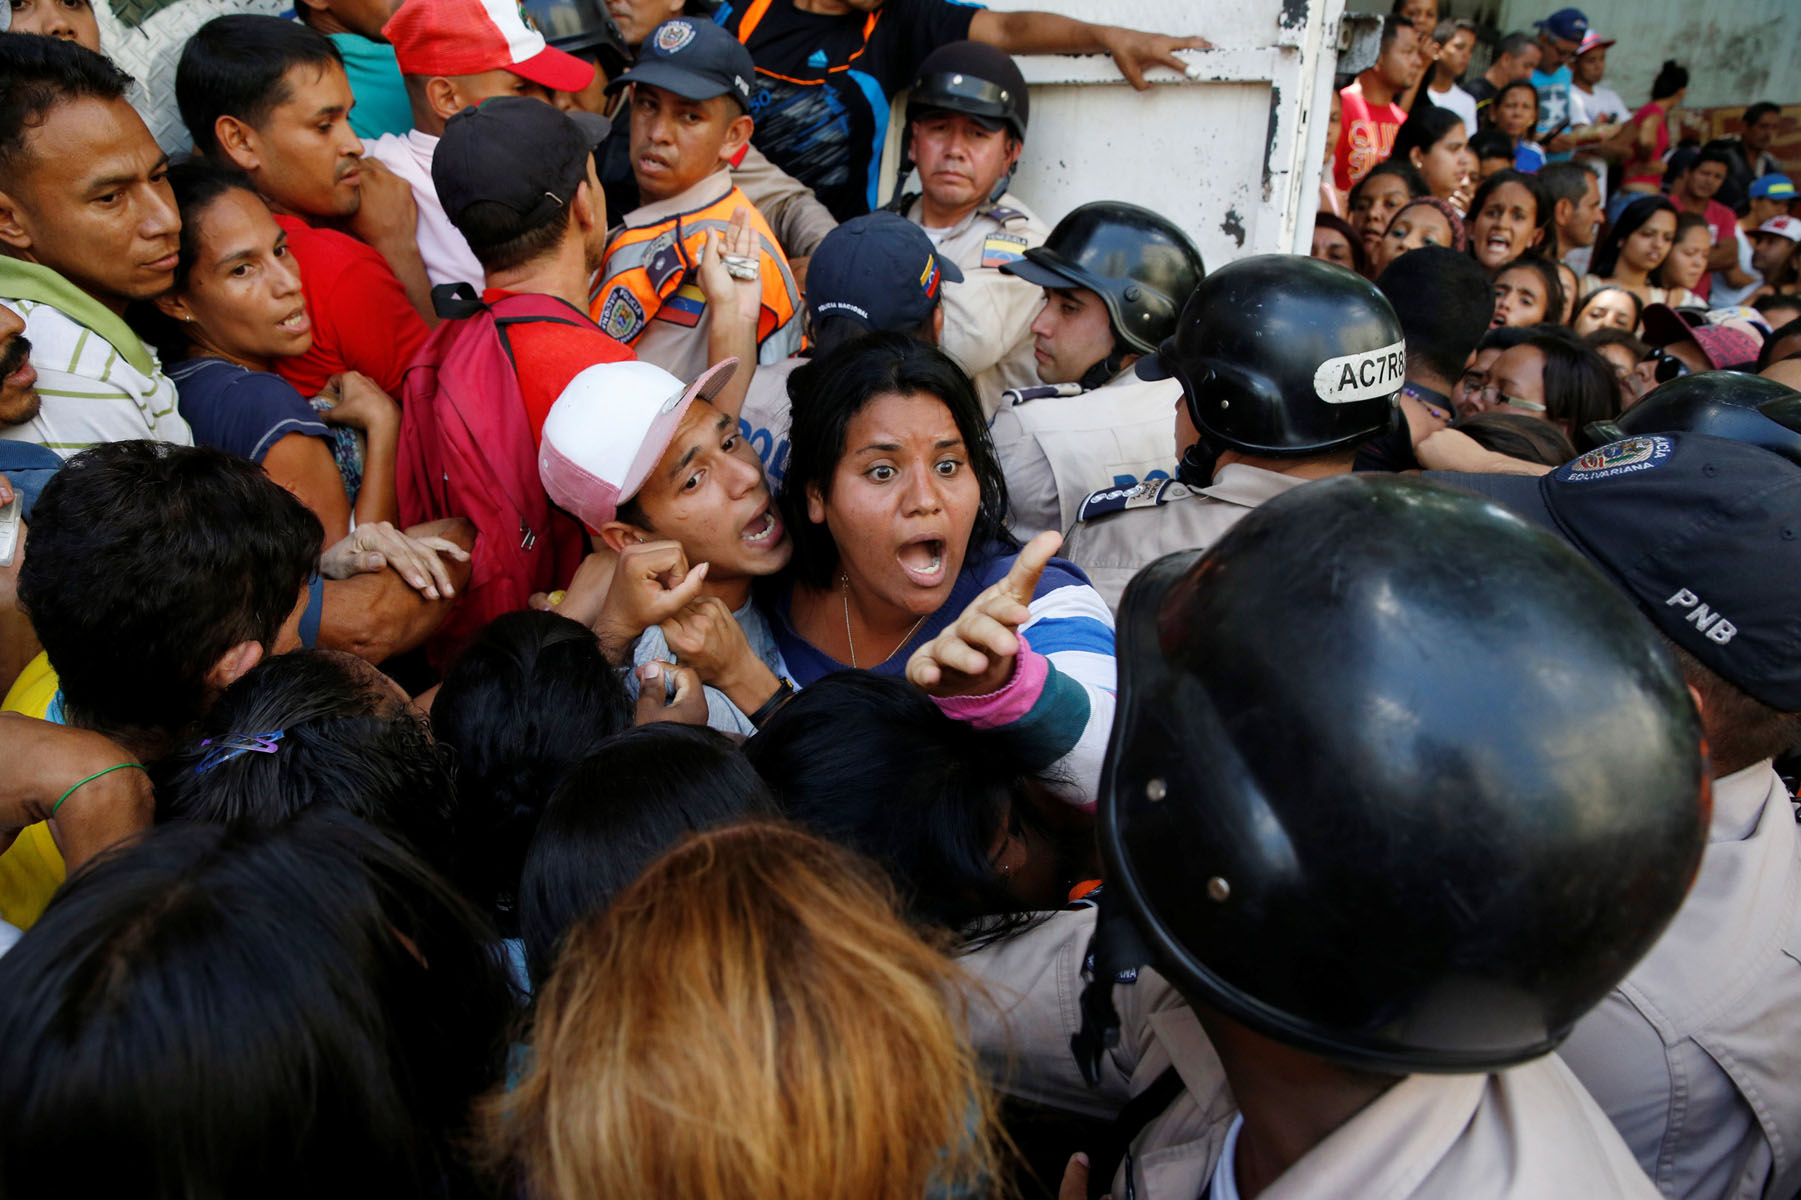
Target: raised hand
974 655
652 583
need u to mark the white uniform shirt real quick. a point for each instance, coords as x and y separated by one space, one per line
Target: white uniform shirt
1161 518
988 317
1697 1056
1527 1133
1056 450
448 258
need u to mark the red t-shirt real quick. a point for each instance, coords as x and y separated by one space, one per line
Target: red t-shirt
1365 136
1725 231
548 355
362 320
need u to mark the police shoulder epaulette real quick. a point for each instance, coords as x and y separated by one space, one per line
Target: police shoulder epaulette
1149 494
1005 216
1039 391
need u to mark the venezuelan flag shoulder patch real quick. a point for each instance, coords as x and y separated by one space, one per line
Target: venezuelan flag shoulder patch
1001 248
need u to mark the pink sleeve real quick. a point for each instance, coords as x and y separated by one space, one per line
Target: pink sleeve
1010 702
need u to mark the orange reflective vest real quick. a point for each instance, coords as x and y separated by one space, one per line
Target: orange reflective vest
650 273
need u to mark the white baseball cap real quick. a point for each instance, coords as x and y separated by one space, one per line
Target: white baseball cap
1788 227
609 427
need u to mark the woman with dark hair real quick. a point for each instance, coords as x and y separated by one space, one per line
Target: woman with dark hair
1553 376
295 1010
1433 142
897 508
614 812
532 696
1334 241
1609 306
1638 243
236 307
313 728
1510 216
952 812
1513 113
1655 127
1685 266
1378 196
1528 292
1427 221
1518 436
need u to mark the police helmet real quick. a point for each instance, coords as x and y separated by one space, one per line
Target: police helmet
581 27
1139 263
975 79
1726 404
1396 778
1286 356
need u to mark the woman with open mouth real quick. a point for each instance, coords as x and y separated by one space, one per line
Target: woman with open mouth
896 505
1509 216
238 306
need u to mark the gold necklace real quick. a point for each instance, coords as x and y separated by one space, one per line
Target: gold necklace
844 581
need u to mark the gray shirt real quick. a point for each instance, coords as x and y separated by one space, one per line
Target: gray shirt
722 714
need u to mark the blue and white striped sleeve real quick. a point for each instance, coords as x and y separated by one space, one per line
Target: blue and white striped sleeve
1073 628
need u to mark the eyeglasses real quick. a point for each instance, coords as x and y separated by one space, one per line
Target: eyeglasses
1668 366
1492 395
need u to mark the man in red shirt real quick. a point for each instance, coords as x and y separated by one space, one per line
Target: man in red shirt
271 98
1371 116
498 170
1693 192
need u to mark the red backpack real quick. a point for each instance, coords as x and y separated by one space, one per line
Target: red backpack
466 450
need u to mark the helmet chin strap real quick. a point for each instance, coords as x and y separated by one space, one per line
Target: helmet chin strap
1115 953
1104 370
1001 185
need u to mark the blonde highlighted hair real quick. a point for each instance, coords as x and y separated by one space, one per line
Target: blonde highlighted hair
751 1018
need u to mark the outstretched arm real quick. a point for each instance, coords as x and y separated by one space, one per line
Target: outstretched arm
1047 33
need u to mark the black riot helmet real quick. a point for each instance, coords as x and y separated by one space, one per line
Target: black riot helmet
1725 404
975 79
1396 778
1285 356
582 27
1139 263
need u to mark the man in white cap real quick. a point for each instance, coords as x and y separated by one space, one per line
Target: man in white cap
661 476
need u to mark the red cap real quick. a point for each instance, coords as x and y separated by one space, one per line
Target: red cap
467 37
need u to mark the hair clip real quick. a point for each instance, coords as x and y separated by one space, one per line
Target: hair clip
236 744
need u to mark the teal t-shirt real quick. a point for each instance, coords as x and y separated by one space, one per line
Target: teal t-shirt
381 103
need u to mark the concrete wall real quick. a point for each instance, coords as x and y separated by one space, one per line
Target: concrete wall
1736 51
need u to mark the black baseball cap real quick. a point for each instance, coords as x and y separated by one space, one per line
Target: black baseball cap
1704 533
879 270
518 153
695 59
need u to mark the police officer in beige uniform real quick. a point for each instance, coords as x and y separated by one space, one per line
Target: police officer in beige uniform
1287 365
1397 791
966 126
1696 1056
1114 277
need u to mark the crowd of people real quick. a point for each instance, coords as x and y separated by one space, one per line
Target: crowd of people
564 636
